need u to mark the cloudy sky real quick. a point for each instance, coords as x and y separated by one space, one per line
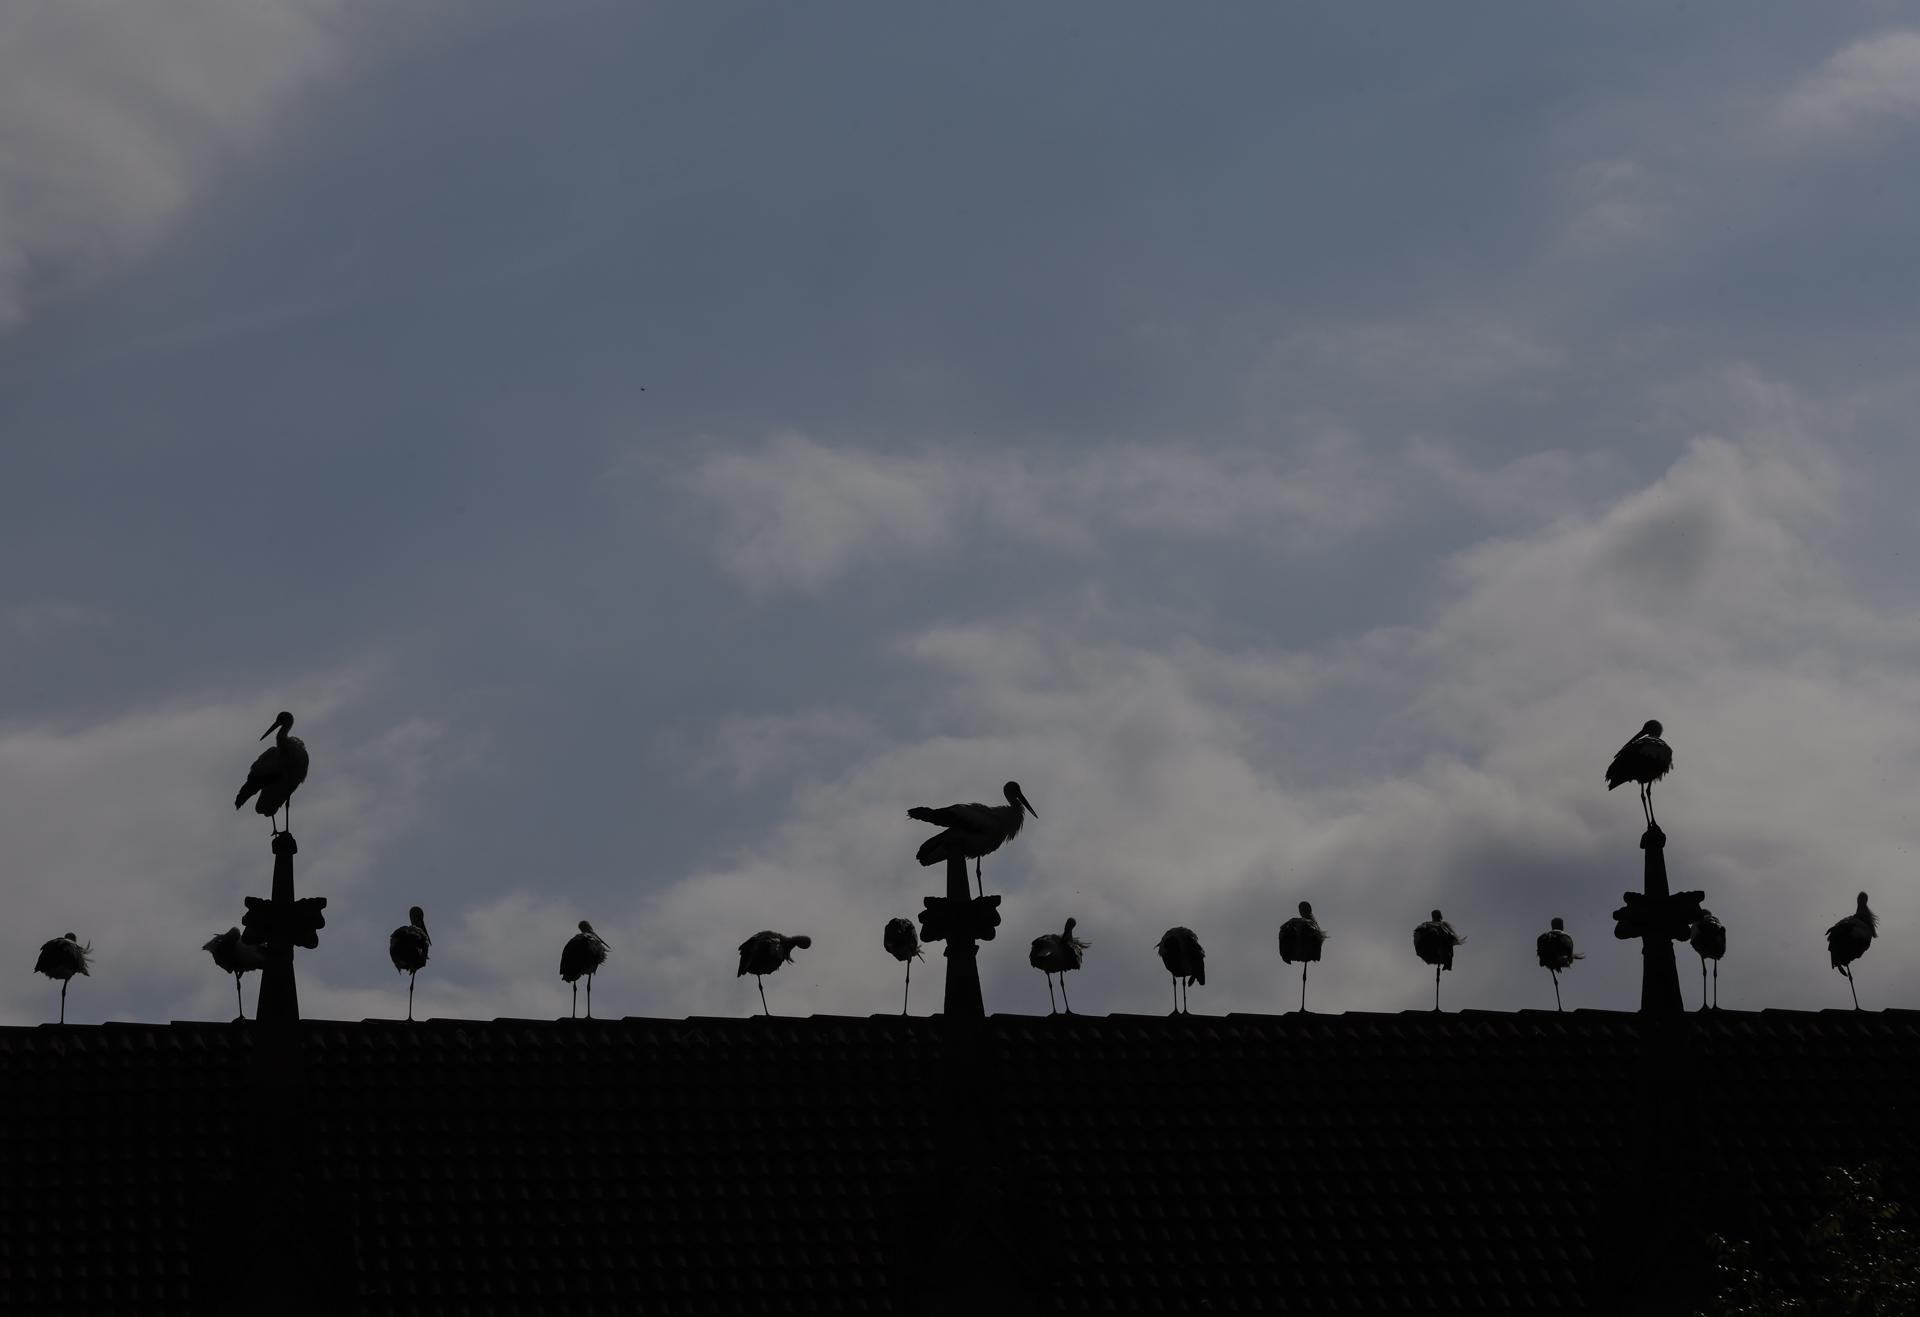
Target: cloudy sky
650 447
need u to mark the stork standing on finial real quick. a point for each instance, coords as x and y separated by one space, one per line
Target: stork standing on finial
1847 941
62 958
1434 942
1555 950
408 946
1645 759
1708 936
1301 939
1056 953
275 775
236 956
1181 952
902 941
972 830
765 952
585 952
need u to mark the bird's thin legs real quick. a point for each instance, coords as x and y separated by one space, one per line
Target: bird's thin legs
1436 987
1556 989
1176 994
1703 983
1063 994
1303 987
589 996
763 993
575 1013
1850 988
410 994
1716 985
907 991
978 880
1053 1007
63 1000
238 1004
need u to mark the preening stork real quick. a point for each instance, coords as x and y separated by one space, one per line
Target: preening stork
765 952
1555 950
408 946
1056 953
1185 959
1301 939
1708 936
1645 759
61 959
972 830
275 775
902 941
236 956
1434 942
585 952
1847 941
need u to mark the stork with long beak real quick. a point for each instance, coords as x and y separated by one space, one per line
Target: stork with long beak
972 830
277 773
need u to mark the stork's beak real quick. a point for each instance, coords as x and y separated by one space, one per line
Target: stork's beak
1029 804
271 730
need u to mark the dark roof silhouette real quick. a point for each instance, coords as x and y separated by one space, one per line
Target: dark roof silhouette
1420 1162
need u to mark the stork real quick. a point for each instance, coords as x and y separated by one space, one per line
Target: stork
1645 759
1181 952
1555 950
408 946
62 958
585 952
902 941
972 830
765 952
1708 936
1434 942
1847 941
275 775
1301 939
1056 953
236 956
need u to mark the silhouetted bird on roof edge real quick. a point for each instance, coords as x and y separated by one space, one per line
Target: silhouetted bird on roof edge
62 958
1848 940
1708 936
236 956
1185 959
1056 953
765 952
902 942
408 946
1301 939
972 830
585 952
1434 942
277 773
1555 950
1645 759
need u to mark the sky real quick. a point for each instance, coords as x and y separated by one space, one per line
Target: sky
650 447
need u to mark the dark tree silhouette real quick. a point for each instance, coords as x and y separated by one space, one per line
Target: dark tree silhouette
1866 1260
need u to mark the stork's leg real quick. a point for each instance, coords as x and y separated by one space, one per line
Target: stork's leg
1063 993
763 993
1716 985
1850 988
1053 1007
980 882
589 996
1176 994
908 989
63 1000
1556 988
238 1005
410 974
574 1014
1303 987
1436 987
1703 983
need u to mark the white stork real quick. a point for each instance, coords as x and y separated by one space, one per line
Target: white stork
275 775
1301 939
1708 936
902 942
1555 950
1181 952
585 952
1847 941
1645 759
236 956
62 958
765 952
408 946
1434 942
1056 953
972 830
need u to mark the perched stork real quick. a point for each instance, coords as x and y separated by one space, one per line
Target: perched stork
1708 936
1056 953
1301 939
1645 759
279 770
972 830
765 952
1847 941
236 956
1434 942
902 941
585 952
1181 952
408 948
61 959
1555 949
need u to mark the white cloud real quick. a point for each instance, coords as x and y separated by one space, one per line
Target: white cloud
1869 82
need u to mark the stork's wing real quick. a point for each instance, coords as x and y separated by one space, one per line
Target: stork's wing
971 817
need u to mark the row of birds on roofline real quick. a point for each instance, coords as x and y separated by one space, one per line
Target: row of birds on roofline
971 831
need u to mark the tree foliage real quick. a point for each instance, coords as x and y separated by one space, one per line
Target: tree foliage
1866 1262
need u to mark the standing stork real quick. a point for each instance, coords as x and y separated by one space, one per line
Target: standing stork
1645 759
1555 950
61 959
972 830
236 956
1301 939
585 952
1181 952
277 773
1056 953
408 946
1434 942
1708 936
903 943
765 952
1847 941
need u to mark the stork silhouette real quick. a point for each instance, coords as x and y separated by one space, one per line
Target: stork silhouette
1849 939
1185 959
1056 953
585 952
1644 759
407 948
277 773
972 830
1301 939
765 952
